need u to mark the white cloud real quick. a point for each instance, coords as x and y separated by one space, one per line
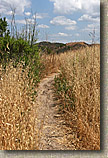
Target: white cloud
29 21
9 12
87 17
19 5
77 34
20 21
23 21
27 13
59 37
60 34
69 6
70 27
62 20
40 15
17 21
94 25
43 26
91 27
63 34
95 14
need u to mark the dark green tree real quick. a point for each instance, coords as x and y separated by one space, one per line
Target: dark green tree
3 27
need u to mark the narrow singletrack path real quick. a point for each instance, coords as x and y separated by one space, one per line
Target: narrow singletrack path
49 123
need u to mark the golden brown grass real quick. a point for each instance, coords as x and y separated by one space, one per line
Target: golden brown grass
51 64
81 69
16 112
17 109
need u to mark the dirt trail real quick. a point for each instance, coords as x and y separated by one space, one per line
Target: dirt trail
52 132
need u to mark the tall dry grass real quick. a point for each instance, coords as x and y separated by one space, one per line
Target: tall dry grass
78 87
18 130
79 91
17 112
51 64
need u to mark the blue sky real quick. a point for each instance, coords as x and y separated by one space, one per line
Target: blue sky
58 20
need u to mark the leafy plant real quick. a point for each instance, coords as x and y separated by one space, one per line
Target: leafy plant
65 91
3 27
20 50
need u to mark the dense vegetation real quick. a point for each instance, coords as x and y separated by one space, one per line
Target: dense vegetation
78 88
50 48
19 50
20 69
23 64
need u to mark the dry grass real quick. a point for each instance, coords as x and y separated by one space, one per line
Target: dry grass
51 64
81 69
16 112
17 109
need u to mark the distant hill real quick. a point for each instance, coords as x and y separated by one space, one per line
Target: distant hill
49 47
77 44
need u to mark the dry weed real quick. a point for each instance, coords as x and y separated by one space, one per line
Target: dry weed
50 63
81 69
16 112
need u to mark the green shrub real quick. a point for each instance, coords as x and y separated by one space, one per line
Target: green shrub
65 92
20 51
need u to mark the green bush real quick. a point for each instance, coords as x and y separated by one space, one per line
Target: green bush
3 27
49 51
65 92
20 51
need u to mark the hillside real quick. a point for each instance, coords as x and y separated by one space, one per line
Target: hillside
49 47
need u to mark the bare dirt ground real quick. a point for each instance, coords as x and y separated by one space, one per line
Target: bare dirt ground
51 129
